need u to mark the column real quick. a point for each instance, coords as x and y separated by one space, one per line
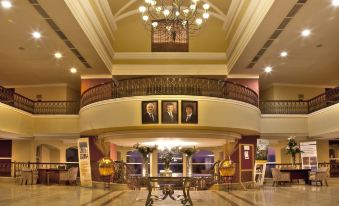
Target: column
113 152
154 163
184 165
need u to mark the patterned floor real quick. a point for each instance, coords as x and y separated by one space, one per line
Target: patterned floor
26 195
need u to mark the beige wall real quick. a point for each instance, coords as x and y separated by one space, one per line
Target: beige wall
285 92
324 122
22 150
212 112
323 150
284 125
48 92
72 94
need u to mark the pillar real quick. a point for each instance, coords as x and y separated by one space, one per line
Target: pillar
113 152
184 165
154 164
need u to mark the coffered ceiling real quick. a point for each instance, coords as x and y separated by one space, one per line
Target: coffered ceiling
110 36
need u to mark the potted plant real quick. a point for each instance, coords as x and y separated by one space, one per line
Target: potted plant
145 151
293 148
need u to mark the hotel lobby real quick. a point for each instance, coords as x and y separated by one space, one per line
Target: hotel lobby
169 102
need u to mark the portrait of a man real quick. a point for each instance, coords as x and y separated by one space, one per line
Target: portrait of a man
149 112
169 112
189 114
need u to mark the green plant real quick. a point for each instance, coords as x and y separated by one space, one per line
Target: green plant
167 156
189 151
144 150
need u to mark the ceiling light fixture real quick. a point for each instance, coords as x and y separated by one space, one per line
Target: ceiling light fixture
57 55
73 70
283 54
306 32
268 69
6 4
36 35
335 3
175 16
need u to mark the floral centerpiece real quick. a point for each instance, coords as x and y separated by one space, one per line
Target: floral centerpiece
293 148
166 157
189 152
145 151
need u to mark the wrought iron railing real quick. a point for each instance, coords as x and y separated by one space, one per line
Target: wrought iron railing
169 86
330 97
37 107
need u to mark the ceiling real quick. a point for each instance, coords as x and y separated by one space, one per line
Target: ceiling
106 32
311 61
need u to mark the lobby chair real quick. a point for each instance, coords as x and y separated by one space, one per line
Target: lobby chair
319 176
280 177
69 176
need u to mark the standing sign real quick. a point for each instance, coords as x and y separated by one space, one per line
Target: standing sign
84 163
309 155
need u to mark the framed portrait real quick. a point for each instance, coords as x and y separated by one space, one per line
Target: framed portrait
149 112
189 112
169 112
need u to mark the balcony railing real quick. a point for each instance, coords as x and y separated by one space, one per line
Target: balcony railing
37 107
330 97
169 86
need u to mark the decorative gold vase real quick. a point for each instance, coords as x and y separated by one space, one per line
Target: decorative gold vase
227 168
106 166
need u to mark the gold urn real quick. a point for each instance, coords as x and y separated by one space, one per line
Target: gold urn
106 166
227 168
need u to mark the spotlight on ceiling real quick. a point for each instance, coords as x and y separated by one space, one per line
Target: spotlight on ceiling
6 4
335 3
36 35
306 32
283 54
73 70
57 55
268 69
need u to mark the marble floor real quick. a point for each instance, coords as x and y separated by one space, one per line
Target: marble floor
26 195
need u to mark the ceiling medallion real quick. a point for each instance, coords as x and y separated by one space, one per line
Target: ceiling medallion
174 16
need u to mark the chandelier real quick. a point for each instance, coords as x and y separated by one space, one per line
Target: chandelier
174 16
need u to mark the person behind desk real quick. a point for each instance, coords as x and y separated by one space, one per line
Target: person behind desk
169 116
189 116
150 115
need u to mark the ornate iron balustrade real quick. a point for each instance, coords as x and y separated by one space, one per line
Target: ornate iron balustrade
330 97
37 107
169 86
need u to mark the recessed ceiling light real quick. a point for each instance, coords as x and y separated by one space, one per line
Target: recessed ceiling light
335 2
36 35
283 54
58 55
306 32
268 69
73 70
6 4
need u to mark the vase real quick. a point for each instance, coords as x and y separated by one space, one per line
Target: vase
145 167
293 160
189 166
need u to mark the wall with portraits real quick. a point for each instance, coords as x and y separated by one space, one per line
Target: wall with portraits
134 112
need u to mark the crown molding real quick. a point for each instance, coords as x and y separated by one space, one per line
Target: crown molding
232 15
242 76
36 85
96 76
170 55
90 24
106 15
169 69
303 85
254 15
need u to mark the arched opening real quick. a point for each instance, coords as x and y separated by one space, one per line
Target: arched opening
202 162
72 154
134 161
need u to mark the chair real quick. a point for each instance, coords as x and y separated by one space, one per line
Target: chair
69 176
279 177
319 176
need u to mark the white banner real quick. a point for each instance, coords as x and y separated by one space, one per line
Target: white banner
84 163
309 157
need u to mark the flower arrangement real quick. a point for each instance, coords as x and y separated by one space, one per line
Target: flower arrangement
144 150
293 148
188 151
167 156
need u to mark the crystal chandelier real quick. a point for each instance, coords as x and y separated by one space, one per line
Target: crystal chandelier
175 16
